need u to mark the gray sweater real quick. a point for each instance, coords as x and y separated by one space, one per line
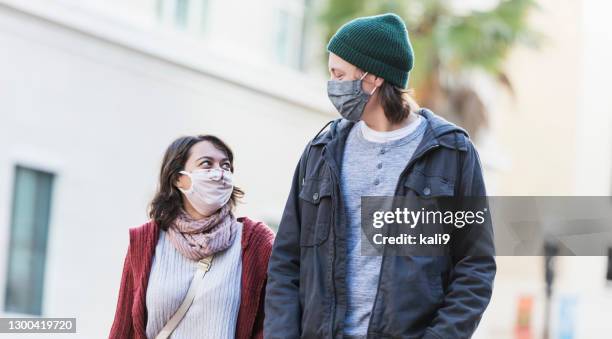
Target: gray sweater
369 168
214 311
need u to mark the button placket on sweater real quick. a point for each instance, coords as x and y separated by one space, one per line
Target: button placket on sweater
381 153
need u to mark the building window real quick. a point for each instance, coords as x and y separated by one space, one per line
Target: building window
188 15
28 241
290 37
181 13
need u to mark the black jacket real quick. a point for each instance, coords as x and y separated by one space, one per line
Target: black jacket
418 297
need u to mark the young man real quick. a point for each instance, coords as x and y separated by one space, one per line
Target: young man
319 284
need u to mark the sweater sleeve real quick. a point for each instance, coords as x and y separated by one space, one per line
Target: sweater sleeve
122 325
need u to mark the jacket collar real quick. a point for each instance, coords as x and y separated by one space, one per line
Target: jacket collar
442 132
439 132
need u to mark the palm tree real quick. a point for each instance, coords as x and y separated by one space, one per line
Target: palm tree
449 45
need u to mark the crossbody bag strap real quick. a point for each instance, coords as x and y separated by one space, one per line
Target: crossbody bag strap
203 267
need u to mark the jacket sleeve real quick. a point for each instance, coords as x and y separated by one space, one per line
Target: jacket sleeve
471 280
282 304
122 325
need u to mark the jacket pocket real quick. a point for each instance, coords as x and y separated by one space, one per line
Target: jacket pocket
426 186
433 194
316 211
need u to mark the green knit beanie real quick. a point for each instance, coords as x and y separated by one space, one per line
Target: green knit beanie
376 44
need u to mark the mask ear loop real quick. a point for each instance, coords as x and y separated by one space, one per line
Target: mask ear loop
363 77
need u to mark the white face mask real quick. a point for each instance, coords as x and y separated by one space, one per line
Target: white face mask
210 189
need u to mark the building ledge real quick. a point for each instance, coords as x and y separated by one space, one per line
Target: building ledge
183 51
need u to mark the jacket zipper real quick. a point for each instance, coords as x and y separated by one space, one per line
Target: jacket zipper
382 262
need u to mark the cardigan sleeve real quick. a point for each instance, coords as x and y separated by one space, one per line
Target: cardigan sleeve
266 237
259 318
122 325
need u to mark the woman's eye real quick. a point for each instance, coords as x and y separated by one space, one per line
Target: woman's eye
226 166
205 164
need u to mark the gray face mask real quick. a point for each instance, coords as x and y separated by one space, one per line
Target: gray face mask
348 97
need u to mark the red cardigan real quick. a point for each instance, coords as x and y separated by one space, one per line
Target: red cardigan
131 314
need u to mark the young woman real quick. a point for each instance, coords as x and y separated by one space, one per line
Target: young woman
194 270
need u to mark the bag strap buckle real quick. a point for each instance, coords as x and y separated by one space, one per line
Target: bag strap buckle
205 263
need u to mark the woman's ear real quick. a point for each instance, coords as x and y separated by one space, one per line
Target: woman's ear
183 181
378 81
